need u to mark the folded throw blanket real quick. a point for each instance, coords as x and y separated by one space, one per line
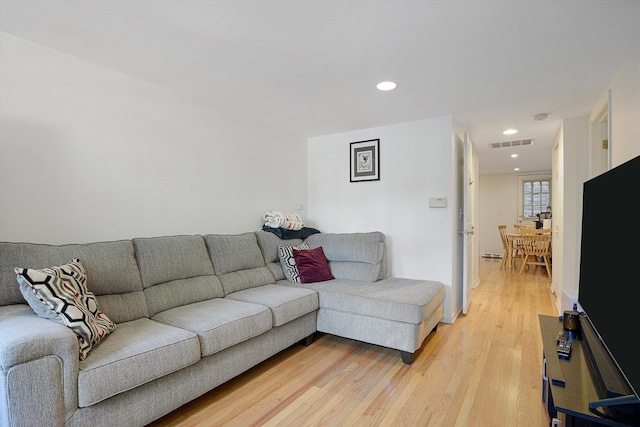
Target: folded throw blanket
286 220
284 234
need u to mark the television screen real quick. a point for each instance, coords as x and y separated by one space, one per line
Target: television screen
609 265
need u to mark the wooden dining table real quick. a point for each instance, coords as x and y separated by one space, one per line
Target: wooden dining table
511 238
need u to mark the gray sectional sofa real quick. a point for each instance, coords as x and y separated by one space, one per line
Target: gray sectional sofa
191 312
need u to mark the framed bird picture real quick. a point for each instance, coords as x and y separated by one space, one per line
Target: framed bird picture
364 160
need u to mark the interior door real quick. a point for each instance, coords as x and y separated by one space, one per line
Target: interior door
468 253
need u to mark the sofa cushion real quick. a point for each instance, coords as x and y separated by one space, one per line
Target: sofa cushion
286 303
219 323
111 269
60 293
123 307
397 299
176 271
288 262
238 261
312 265
136 353
269 244
231 253
353 256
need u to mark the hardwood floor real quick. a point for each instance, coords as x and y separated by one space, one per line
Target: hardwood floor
483 370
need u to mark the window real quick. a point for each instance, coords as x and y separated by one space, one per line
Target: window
536 196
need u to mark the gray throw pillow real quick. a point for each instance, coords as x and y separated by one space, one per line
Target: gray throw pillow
285 253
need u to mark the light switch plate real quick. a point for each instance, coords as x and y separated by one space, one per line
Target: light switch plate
437 202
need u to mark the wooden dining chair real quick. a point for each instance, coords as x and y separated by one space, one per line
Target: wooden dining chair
517 243
536 244
516 250
503 236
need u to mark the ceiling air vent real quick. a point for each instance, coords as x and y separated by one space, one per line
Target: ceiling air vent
514 143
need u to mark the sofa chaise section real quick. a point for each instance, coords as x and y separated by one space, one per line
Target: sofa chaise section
362 302
394 312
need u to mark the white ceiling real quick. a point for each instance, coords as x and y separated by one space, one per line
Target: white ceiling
310 67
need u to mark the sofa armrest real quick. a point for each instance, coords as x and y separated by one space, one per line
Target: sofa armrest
38 369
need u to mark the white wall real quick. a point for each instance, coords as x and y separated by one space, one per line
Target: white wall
498 204
87 154
416 163
570 170
625 145
625 106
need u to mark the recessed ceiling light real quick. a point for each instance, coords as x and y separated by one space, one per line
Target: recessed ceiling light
516 169
510 132
386 86
514 156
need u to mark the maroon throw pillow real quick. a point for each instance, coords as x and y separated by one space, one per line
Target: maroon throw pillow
312 265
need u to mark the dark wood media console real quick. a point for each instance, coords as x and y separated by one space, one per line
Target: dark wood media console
568 385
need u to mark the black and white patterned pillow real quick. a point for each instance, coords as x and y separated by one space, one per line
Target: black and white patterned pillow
60 294
285 253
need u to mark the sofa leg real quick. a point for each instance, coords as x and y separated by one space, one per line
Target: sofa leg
407 357
306 341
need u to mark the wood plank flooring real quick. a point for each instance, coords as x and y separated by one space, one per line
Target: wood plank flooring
483 370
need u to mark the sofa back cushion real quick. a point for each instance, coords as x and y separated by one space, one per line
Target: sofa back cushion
269 244
353 256
238 261
175 270
112 273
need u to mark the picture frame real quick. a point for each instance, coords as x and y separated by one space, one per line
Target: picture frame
364 160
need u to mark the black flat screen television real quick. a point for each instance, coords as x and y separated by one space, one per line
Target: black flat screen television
608 285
